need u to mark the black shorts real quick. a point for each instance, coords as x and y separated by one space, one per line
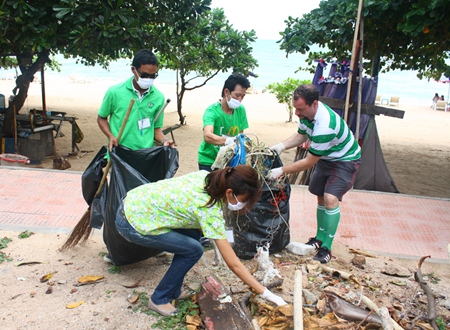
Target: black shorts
335 178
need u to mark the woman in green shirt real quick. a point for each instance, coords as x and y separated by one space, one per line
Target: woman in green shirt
171 215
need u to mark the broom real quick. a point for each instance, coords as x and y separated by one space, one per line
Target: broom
83 229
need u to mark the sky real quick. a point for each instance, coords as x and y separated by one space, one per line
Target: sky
265 17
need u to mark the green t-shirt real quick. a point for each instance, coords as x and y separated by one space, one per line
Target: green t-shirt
224 124
115 104
177 203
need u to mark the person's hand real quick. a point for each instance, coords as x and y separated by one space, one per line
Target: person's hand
230 140
279 148
275 173
268 295
169 143
112 142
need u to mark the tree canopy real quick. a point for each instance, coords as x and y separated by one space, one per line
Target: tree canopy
93 31
398 34
205 49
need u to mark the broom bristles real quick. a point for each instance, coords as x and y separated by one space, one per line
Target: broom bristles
80 232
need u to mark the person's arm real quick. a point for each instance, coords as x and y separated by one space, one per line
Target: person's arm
294 140
159 136
211 138
104 127
303 164
242 272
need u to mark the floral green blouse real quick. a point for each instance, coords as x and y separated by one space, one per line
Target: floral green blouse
177 203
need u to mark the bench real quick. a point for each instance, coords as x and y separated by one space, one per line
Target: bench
170 130
56 118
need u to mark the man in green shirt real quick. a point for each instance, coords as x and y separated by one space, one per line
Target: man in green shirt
141 129
223 120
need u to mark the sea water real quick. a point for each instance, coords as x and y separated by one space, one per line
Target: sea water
273 66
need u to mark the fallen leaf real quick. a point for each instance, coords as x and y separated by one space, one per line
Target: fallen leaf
17 264
46 277
134 300
74 305
287 310
193 320
89 279
399 283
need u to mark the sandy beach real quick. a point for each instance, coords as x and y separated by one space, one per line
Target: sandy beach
416 149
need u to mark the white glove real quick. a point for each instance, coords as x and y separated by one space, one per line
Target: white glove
268 295
275 173
230 140
279 148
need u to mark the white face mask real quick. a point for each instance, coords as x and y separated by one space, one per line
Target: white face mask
233 103
145 83
236 207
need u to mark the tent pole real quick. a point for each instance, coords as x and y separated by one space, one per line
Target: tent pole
352 62
360 86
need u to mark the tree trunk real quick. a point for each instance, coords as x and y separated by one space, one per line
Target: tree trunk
22 85
375 65
180 94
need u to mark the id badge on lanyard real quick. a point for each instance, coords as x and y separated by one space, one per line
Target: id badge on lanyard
144 123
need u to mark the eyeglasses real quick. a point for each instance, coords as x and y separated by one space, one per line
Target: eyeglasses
145 75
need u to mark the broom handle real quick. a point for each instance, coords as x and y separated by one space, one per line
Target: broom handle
122 127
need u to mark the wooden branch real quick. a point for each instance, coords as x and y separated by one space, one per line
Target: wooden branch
372 306
298 301
342 274
432 314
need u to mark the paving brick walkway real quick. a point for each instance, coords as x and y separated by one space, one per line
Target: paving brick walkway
393 224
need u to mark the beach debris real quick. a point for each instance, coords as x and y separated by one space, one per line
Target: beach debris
266 265
134 299
89 280
396 271
135 285
365 254
74 305
218 316
432 313
300 248
17 264
346 310
359 261
46 277
192 322
61 163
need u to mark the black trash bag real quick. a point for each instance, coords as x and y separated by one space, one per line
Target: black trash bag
130 169
92 175
264 224
98 208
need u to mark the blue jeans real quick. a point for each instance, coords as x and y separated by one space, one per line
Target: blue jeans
183 243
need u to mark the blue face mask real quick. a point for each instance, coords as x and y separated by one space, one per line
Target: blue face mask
236 207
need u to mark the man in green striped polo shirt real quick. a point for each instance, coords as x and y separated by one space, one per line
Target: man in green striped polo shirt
333 151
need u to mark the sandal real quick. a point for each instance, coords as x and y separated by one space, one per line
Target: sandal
185 294
164 309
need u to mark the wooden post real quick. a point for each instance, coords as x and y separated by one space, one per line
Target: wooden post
358 112
352 62
298 301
